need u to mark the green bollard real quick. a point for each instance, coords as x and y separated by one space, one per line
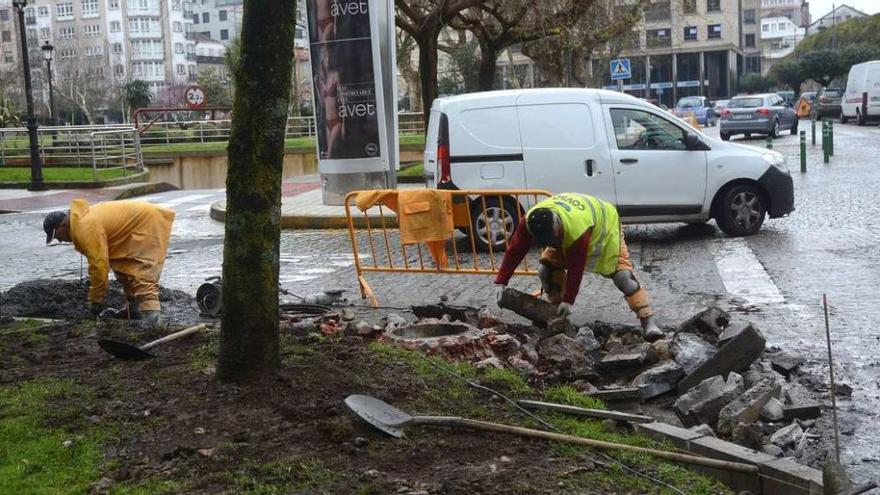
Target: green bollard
831 137
825 143
803 152
813 129
769 143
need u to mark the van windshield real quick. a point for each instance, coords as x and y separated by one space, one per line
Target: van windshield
692 102
746 102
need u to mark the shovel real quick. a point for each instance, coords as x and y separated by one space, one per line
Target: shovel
392 421
124 350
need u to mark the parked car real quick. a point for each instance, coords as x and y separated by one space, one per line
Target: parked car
719 106
861 101
699 106
653 167
757 114
827 103
804 106
788 96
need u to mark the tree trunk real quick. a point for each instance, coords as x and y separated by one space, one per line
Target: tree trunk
249 327
427 72
488 57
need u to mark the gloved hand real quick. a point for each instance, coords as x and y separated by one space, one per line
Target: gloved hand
499 291
95 308
563 310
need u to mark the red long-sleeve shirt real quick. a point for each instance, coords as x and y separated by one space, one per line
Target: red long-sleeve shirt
575 255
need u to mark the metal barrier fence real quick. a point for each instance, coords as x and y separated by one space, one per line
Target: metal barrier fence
97 147
483 220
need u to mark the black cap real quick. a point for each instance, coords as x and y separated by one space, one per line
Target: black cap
51 222
540 224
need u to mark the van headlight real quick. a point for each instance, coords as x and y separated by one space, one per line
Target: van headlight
776 160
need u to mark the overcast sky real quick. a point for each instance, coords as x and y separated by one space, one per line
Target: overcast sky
818 8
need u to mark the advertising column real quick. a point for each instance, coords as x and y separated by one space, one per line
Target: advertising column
350 111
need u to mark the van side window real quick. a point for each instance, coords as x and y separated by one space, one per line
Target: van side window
639 130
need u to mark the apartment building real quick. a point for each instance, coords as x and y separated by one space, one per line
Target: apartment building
779 37
218 19
796 11
841 13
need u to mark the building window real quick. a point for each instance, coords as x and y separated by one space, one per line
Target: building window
178 48
113 4
67 54
180 69
713 5
6 36
89 8
658 37
117 48
64 10
196 19
765 28
206 17
45 33
118 70
222 14
224 34
115 26
689 6
753 63
782 26
7 56
94 51
93 30
750 40
4 14
67 33
714 31
42 11
749 16
175 5
690 33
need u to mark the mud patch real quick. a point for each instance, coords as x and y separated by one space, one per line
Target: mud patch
68 300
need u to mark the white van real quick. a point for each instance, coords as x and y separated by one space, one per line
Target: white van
861 101
654 167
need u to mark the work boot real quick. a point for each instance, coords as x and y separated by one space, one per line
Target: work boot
650 330
151 317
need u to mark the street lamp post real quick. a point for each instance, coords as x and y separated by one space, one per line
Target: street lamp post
36 162
48 49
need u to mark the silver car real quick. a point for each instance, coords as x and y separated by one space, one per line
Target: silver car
757 114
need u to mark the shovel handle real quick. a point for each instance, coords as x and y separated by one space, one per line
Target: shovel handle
473 424
174 336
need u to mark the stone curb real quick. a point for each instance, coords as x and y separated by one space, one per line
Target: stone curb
83 184
317 222
777 476
128 191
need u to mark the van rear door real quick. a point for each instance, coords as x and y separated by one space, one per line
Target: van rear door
563 146
430 165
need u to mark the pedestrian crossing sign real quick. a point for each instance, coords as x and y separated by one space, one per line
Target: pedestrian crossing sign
620 69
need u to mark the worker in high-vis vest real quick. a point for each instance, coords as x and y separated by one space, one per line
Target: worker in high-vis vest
577 233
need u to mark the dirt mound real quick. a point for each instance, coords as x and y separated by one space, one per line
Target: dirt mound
67 299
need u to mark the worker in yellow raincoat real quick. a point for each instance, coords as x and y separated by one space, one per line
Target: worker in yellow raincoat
128 237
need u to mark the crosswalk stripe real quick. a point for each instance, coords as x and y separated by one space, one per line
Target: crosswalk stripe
192 198
743 275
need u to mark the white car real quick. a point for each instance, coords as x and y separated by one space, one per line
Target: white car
861 100
606 144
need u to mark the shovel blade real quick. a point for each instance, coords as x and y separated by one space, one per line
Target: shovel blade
123 350
381 415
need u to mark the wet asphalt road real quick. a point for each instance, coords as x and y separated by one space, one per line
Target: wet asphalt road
774 279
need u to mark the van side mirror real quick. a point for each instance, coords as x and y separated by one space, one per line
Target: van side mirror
694 143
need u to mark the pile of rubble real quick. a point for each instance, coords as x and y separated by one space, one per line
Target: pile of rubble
714 374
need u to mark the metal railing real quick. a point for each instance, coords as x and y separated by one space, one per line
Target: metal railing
116 149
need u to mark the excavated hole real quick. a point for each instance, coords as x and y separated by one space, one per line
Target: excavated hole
429 330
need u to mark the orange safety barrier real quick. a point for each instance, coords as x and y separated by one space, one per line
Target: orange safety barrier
477 226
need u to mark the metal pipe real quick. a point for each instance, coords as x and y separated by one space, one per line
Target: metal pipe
831 374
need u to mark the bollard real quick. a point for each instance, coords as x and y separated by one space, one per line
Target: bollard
831 138
813 129
803 152
769 142
825 143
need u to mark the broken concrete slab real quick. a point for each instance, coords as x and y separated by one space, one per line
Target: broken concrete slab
556 326
504 345
784 476
623 357
710 323
748 435
616 394
732 330
703 403
690 350
771 449
787 435
465 314
524 367
802 411
659 379
528 306
581 411
773 410
588 339
785 362
703 429
490 362
736 355
565 354
747 407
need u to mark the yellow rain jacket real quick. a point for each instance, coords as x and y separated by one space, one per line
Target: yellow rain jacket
130 237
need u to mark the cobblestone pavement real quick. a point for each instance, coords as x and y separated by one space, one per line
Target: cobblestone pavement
774 279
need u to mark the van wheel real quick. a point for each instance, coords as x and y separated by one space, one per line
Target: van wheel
725 136
741 211
490 227
843 119
860 120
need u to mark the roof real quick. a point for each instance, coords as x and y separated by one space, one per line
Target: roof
510 96
204 38
835 9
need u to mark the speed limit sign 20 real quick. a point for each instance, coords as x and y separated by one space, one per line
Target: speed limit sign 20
195 97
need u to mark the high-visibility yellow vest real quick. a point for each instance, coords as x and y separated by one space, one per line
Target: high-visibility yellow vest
578 213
